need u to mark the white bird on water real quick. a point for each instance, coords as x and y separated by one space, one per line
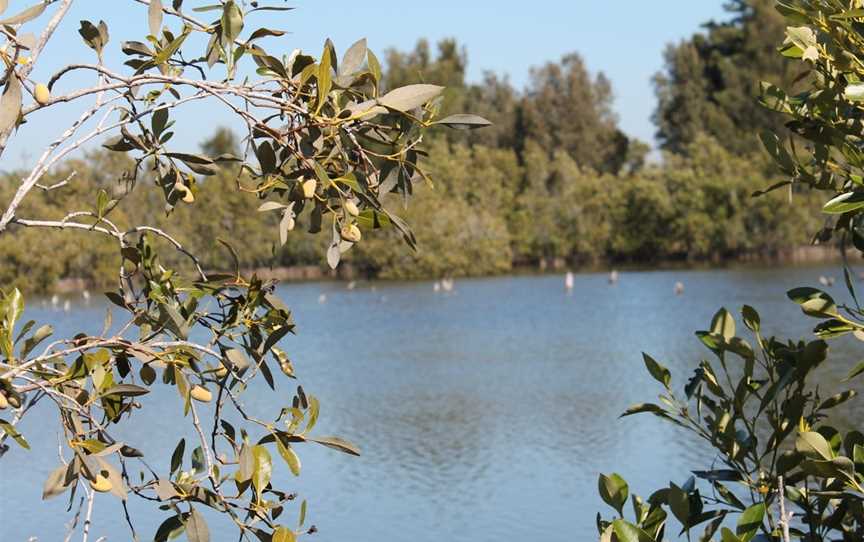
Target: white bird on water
67 306
569 280
679 288
86 295
437 286
322 298
613 277
352 285
447 285
55 300
826 281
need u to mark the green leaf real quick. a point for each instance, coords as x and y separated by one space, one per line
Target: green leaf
170 529
814 302
196 527
813 445
844 203
614 491
337 444
658 371
284 534
154 17
12 432
855 372
289 455
679 503
262 469
627 532
232 21
353 59
723 324
27 15
838 399
410 97
10 103
751 318
126 390
728 536
750 521
464 122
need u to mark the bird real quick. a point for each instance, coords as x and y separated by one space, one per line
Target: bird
437 286
67 306
569 279
55 300
613 277
351 285
86 295
447 285
322 298
679 288
826 281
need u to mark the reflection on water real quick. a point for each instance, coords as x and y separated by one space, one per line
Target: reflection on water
483 414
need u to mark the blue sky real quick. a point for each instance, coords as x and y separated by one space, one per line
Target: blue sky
624 39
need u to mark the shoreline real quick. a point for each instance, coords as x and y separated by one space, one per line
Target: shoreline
800 256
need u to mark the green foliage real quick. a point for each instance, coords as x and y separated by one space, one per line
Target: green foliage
778 456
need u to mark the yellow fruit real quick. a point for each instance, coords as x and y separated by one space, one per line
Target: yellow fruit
101 484
221 371
4 403
351 233
200 393
14 401
352 208
309 188
42 94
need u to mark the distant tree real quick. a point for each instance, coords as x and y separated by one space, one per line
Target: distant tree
711 81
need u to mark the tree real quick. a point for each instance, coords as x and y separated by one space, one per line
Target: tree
711 81
778 456
322 146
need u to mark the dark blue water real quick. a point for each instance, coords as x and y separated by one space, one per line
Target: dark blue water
484 414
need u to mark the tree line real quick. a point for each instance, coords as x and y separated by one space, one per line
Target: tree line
553 181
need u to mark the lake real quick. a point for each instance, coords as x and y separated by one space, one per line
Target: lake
484 414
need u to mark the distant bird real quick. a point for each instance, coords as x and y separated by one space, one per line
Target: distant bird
67 306
322 298
679 288
86 295
826 281
569 280
55 300
351 285
447 285
613 277
437 286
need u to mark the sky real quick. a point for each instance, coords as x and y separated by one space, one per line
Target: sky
624 39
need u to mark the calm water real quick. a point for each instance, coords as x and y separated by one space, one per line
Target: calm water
485 414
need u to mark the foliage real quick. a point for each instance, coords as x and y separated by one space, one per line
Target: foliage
778 457
323 147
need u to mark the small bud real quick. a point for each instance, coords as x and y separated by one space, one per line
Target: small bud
42 94
200 393
309 188
351 208
351 233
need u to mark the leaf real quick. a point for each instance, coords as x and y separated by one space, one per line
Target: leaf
270 206
12 432
56 483
855 372
844 203
289 455
814 302
751 318
464 122
658 371
813 445
177 456
750 521
283 534
154 17
27 15
410 97
126 390
10 103
836 400
196 527
640 408
627 532
232 21
353 59
333 256
337 444
614 491
262 469
169 529
723 324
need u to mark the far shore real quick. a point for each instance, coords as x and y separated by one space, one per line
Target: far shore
312 273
